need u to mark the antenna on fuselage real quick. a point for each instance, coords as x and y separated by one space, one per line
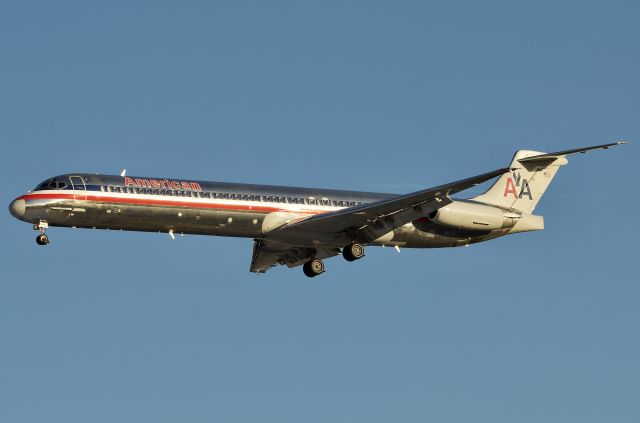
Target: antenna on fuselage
124 171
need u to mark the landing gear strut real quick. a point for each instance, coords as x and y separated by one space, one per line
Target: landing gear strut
41 239
313 267
353 252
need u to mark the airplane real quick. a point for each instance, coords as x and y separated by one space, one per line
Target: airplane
300 226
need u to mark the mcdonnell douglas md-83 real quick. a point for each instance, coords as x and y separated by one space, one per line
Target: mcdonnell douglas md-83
299 226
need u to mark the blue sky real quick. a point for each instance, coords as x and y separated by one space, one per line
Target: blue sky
378 96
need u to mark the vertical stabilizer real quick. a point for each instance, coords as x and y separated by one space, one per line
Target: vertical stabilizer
523 187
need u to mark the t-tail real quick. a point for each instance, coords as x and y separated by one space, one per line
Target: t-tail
531 173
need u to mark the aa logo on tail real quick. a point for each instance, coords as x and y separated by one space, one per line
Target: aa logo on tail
516 183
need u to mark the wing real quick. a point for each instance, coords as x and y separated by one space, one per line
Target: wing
267 254
370 221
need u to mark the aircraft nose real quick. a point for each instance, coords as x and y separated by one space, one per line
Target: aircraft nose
17 208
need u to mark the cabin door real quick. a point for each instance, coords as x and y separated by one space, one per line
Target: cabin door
79 188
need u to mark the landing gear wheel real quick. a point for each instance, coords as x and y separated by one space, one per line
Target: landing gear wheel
353 252
42 239
313 267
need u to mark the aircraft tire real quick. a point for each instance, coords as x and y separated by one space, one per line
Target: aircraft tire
353 252
313 267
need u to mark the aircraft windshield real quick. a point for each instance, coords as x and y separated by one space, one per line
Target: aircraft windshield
52 183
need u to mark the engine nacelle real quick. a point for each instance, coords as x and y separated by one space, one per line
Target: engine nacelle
472 216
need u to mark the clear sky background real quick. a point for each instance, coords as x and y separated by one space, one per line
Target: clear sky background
382 96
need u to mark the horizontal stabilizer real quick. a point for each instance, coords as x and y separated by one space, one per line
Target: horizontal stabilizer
559 154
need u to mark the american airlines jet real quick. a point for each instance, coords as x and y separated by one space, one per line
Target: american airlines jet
299 226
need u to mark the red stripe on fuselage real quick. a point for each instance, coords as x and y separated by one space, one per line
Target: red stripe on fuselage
159 202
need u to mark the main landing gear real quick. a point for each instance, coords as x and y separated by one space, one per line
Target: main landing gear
315 266
41 239
353 252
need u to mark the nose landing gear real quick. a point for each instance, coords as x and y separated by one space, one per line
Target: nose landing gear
41 239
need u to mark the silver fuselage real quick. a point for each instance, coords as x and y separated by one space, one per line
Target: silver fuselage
212 208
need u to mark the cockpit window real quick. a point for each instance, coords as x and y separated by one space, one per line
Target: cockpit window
52 183
44 185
